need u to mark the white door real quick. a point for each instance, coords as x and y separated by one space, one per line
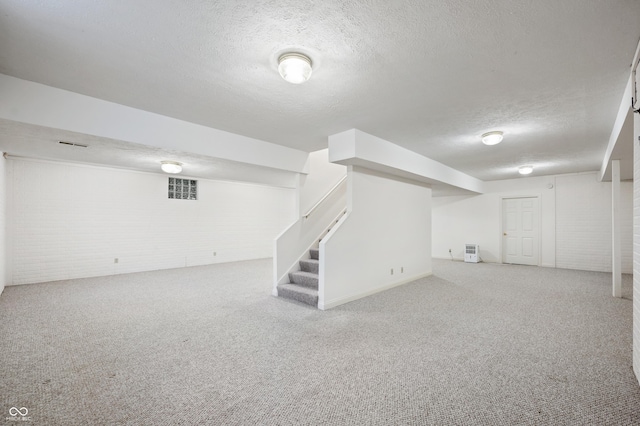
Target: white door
520 231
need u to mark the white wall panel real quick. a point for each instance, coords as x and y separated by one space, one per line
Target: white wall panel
73 221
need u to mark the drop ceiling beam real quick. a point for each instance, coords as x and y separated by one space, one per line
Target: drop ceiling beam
33 103
357 148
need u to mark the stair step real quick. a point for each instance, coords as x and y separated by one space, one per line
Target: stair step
310 265
299 293
306 279
315 253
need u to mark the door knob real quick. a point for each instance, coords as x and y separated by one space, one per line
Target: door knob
504 233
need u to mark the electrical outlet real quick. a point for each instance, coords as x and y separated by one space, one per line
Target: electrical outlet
402 270
115 260
215 253
391 271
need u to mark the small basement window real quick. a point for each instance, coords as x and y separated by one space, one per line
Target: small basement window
183 189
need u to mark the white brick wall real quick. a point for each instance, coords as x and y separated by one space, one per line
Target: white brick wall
3 223
636 246
71 221
626 226
583 223
575 220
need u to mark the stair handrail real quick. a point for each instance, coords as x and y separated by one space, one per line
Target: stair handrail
316 205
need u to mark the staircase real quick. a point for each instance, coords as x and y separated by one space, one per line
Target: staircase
303 284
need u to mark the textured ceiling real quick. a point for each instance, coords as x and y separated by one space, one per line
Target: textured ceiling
429 75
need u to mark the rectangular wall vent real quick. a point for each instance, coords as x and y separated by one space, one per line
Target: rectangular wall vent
183 189
73 144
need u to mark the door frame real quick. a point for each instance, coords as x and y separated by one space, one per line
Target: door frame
538 234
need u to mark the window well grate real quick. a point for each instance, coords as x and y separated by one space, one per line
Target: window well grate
183 189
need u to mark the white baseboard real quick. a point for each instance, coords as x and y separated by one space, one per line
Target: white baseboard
341 301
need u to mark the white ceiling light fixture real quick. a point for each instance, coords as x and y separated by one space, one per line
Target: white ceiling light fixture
492 138
525 170
294 67
172 167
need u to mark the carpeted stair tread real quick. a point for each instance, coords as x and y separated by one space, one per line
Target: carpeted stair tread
315 253
303 284
306 279
310 265
299 293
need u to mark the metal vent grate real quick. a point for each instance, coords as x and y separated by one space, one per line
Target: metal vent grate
183 189
73 144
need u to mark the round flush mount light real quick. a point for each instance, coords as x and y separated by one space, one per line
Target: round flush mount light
171 166
525 170
492 138
294 67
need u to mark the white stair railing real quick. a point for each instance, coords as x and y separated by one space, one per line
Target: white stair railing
293 243
323 199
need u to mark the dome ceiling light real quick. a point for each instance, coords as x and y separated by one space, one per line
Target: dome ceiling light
492 138
172 167
294 67
525 170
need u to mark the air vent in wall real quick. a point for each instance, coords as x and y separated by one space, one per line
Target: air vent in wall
72 144
183 189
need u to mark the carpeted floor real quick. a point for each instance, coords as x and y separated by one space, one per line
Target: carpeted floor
475 344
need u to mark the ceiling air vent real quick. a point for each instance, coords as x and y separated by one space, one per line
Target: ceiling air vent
73 144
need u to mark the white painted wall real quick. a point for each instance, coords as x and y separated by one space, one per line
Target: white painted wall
3 223
583 223
388 225
322 176
477 219
71 221
575 221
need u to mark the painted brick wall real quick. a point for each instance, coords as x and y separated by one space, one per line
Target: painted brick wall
626 226
636 246
71 221
3 222
575 221
583 223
